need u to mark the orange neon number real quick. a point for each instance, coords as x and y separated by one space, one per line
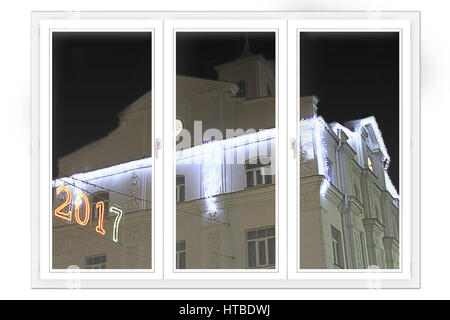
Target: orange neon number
101 216
87 211
58 211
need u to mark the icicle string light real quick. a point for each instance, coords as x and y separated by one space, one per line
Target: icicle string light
371 121
212 173
210 155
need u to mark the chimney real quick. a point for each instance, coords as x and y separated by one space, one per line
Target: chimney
308 106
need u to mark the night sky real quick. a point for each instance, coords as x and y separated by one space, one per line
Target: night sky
355 75
96 75
199 52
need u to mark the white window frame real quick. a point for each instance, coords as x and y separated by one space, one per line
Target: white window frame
407 26
43 273
223 25
288 24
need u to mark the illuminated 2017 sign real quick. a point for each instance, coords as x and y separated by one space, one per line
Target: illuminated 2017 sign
67 215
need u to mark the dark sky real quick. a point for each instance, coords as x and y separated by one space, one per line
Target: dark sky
199 52
355 75
95 76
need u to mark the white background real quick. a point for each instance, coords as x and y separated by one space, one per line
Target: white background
15 228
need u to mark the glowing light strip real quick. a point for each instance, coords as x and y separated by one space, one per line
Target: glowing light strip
64 215
322 153
119 214
87 209
101 217
373 122
351 135
306 138
181 154
115 169
212 173
390 186
261 135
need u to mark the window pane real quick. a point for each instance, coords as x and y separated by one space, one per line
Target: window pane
368 128
102 161
262 252
250 178
181 245
182 193
261 233
258 177
180 180
251 251
182 259
251 235
228 124
271 245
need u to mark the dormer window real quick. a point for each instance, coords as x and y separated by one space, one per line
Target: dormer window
370 164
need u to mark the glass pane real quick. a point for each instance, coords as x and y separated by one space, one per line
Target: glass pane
182 193
225 107
182 257
251 251
261 233
102 161
250 182
271 247
251 235
258 177
349 113
262 252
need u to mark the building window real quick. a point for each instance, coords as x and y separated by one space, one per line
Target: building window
96 262
338 254
261 247
258 173
241 89
181 254
369 164
96 198
180 188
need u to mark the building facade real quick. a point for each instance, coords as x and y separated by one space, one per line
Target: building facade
349 207
226 184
